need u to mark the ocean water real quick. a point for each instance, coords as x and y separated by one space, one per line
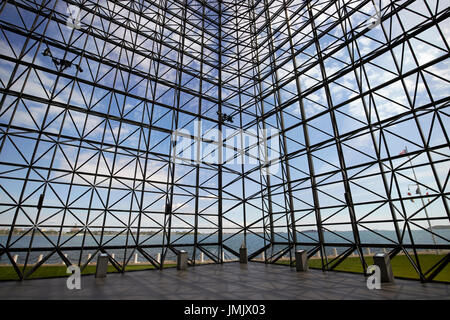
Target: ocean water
253 243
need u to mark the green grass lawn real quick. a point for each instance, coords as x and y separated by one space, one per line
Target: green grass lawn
50 271
400 266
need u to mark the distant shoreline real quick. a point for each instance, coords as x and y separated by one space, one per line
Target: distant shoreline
5 232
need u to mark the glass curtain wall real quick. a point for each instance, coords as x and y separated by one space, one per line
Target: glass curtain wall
142 128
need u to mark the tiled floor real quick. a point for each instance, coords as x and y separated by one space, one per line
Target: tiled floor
221 282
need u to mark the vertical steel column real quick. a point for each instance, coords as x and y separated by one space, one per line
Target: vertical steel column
241 140
257 98
283 163
171 164
309 158
197 159
220 139
343 167
152 92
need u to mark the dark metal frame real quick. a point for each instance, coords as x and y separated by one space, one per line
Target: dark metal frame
239 58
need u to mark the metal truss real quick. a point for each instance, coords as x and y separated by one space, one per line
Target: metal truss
92 92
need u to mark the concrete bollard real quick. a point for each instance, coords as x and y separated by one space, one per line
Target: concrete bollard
15 258
41 256
135 258
318 254
223 255
182 260
158 257
202 257
335 252
243 255
301 260
368 251
102 266
384 262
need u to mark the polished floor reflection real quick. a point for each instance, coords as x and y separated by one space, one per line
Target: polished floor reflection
223 282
